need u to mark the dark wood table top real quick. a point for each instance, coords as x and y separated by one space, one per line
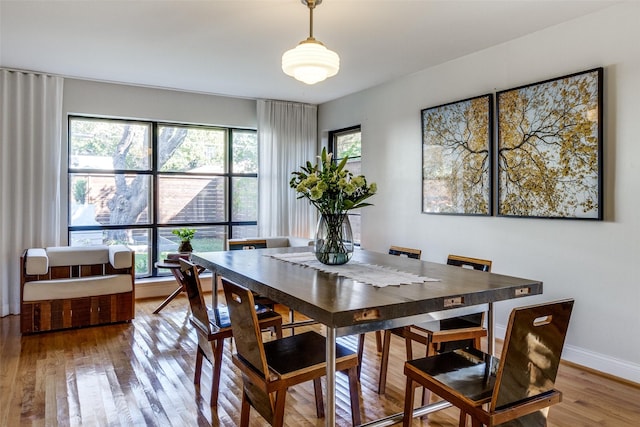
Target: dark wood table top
351 306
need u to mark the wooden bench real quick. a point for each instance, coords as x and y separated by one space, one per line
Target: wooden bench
73 287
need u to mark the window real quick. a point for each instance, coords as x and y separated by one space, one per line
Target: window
348 143
134 182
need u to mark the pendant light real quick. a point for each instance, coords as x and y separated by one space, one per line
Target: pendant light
310 62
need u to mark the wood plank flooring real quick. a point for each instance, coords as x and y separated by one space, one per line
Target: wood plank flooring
141 374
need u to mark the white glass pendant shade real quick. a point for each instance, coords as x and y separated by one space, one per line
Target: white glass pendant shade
310 62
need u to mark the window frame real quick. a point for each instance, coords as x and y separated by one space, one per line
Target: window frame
154 226
332 145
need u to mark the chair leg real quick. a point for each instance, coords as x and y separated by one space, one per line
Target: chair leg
278 329
198 373
361 340
278 415
430 351
217 346
292 318
408 343
354 396
408 403
384 362
463 419
244 411
432 348
426 396
477 343
317 389
379 341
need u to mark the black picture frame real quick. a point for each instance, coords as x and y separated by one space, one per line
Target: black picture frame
457 141
549 148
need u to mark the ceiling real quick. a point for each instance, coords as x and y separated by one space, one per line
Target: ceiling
233 47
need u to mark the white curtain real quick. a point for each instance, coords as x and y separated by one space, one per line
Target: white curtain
30 150
287 139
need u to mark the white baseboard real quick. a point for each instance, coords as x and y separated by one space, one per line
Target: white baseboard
610 365
164 286
623 369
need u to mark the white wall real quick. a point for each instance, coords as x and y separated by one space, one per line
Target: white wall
593 262
136 102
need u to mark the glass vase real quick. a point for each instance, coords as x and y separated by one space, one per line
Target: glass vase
334 239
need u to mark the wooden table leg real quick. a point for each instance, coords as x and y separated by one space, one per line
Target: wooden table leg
168 300
177 274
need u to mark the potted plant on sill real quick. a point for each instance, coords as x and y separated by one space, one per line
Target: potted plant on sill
185 234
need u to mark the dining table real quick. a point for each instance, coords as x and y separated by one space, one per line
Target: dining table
373 291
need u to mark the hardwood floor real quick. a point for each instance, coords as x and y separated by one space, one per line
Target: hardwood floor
141 374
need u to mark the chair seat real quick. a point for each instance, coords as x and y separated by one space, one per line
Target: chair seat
445 325
284 356
221 315
446 337
470 372
220 325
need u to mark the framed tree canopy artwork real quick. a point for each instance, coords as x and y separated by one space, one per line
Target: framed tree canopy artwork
550 148
456 157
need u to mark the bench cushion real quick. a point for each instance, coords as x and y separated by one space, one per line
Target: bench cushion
120 256
287 241
77 255
277 242
43 290
300 241
37 262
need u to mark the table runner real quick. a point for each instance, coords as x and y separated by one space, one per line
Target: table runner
371 274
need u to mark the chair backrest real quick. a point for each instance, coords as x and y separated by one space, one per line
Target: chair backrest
476 319
467 262
249 347
531 353
191 280
244 244
245 326
408 252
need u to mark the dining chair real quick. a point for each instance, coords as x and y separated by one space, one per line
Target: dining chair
212 326
269 369
244 244
516 389
439 335
453 333
456 332
408 252
383 338
249 244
